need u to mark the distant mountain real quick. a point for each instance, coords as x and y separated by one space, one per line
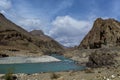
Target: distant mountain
105 33
40 34
46 42
37 32
13 36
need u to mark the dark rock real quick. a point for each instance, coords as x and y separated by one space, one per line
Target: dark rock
97 59
4 55
14 77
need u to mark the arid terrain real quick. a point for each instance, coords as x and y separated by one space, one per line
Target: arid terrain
99 51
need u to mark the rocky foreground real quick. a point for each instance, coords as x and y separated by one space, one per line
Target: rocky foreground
112 73
105 73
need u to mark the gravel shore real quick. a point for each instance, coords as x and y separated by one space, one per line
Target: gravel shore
109 73
12 60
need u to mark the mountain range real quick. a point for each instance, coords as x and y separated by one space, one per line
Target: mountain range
105 33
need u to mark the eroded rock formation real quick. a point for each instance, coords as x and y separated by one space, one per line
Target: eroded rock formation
105 33
99 59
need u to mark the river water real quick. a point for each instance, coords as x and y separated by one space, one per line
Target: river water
29 68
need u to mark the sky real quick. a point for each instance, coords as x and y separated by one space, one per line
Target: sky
66 21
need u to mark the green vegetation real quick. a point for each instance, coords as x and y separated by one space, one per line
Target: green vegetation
9 75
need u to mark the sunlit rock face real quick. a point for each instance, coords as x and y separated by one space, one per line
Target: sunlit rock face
105 33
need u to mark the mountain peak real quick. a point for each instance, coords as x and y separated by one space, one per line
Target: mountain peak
100 20
1 15
37 32
105 33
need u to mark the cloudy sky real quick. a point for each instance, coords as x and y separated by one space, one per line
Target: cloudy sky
67 21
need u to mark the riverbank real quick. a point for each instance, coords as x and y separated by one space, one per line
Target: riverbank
104 73
13 60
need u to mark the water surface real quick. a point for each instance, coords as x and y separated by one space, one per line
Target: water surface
64 65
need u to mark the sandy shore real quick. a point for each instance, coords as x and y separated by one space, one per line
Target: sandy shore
12 60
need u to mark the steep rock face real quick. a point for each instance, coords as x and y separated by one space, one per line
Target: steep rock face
13 36
45 42
105 33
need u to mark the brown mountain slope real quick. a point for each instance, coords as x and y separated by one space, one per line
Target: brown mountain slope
105 33
46 42
13 36
40 34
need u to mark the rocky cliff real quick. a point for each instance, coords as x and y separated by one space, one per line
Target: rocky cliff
15 37
105 33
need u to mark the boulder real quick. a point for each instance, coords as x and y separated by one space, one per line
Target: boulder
97 59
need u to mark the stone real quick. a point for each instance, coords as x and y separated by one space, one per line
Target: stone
112 76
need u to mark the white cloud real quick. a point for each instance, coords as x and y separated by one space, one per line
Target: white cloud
2 11
30 23
5 4
69 31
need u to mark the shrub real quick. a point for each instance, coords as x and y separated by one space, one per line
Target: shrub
89 70
9 75
55 76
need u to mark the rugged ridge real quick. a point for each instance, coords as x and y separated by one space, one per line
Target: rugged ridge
15 37
104 34
40 34
45 42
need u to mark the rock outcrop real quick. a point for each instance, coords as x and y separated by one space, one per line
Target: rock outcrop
105 33
99 59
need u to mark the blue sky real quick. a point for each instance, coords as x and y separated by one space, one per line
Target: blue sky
67 21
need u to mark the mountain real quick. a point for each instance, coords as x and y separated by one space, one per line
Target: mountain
46 42
40 34
15 37
104 34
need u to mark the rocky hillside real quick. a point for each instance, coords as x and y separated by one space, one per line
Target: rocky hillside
104 34
13 36
45 42
40 34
